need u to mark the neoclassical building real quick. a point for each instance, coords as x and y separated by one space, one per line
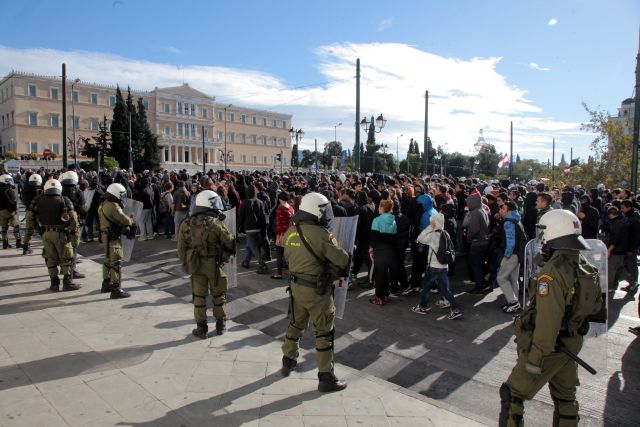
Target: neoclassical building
182 117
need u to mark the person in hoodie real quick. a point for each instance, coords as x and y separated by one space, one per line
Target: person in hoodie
252 221
366 214
436 272
383 237
425 202
530 214
589 217
477 236
510 264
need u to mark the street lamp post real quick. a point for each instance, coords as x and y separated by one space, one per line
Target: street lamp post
366 126
297 135
397 149
73 124
225 136
335 132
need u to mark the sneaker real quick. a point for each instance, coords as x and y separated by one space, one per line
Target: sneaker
420 310
409 291
434 290
443 303
512 308
454 314
468 282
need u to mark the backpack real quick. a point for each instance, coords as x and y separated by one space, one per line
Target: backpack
521 239
163 207
446 253
587 304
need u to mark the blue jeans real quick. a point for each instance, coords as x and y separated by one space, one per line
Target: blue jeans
168 224
438 275
475 259
254 241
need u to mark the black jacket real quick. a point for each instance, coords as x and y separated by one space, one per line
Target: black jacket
590 222
633 216
619 235
252 215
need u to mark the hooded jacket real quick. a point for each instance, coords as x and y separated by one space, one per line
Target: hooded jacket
530 214
510 232
430 237
384 232
477 234
428 211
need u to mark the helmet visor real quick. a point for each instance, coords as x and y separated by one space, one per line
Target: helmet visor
326 215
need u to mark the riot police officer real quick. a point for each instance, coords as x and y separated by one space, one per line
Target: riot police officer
113 222
311 298
69 181
204 245
31 192
57 220
555 317
9 211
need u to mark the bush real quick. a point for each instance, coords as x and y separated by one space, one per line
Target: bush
107 163
10 155
33 156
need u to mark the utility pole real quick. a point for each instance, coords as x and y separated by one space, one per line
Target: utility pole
357 153
315 153
204 161
130 153
425 164
636 126
511 155
64 115
553 160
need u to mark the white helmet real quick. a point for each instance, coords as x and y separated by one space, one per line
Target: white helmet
117 190
6 179
208 200
318 206
53 187
35 180
342 177
69 178
560 229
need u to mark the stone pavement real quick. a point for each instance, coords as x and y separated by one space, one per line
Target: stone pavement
81 359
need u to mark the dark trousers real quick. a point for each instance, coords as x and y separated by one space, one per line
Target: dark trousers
403 280
419 265
279 259
360 256
385 269
474 261
631 264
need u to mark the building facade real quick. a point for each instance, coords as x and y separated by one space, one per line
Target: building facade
191 127
625 115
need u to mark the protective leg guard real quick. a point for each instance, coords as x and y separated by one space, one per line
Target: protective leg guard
201 330
327 382
106 287
565 413
55 284
508 417
68 285
221 326
288 365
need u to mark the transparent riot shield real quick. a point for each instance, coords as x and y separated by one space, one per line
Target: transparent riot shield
88 199
130 207
344 231
231 267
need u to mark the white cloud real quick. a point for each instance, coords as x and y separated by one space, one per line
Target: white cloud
465 95
552 22
385 23
537 67
174 50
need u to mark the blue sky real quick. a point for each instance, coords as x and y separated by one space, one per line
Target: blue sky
484 63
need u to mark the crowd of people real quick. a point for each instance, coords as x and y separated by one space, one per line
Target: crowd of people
488 221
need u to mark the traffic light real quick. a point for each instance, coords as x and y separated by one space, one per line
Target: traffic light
279 157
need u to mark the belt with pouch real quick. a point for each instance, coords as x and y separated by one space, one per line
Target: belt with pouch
58 228
304 280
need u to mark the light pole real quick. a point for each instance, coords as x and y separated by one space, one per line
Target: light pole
225 136
73 123
297 135
366 126
397 150
335 132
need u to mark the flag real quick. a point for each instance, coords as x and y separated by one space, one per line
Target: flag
504 161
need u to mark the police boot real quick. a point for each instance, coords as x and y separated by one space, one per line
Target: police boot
288 365
328 382
5 244
55 284
201 330
106 286
26 250
18 243
77 275
221 326
68 285
117 292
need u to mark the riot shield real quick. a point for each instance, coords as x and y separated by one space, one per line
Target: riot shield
231 267
597 256
130 207
344 231
88 198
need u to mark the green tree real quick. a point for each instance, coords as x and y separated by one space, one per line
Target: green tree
120 131
413 158
457 164
332 149
147 142
488 161
294 155
370 155
101 141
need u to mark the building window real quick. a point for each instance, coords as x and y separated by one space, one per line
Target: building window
112 100
75 122
55 120
275 141
32 90
284 124
75 96
166 108
55 148
254 139
33 147
243 138
254 120
180 132
264 121
145 102
186 156
243 118
193 130
53 93
255 160
220 136
167 130
232 137
166 155
264 159
220 115
275 123
93 99
94 124
264 140
244 158
206 133
232 117
193 109
179 108
205 113
33 118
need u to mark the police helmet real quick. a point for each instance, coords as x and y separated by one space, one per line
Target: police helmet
35 180
560 229
53 187
6 179
117 190
69 178
318 207
207 200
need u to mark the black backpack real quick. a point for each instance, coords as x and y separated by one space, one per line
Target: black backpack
446 252
521 239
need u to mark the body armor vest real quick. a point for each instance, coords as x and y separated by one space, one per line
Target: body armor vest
29 193
71 191
50 209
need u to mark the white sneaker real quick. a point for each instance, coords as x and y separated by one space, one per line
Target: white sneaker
443 303
454 314
468 282
420 310
512 308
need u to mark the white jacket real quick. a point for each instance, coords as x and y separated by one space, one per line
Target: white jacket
431 238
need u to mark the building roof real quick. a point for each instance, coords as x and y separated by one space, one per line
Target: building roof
184 90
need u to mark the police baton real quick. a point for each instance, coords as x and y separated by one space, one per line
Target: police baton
577 359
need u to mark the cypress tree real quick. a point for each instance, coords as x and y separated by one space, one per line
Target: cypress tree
148 142
120 131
